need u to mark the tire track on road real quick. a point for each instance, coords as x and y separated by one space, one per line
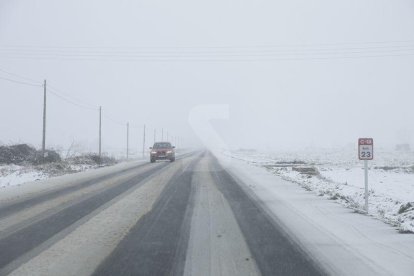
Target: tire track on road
9 209
157 244
216 244
98 234
23 241
272 249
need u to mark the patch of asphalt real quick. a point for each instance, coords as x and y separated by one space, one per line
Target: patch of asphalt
216 245
273 250
26 217
90 243
22 242
8 209
157 244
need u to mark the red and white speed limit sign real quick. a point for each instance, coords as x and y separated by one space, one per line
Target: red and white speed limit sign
366 148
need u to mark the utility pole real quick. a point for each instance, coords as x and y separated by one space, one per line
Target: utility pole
127 151
162 134
44 123
100 133
143 145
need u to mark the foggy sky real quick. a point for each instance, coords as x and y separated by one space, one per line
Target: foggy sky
295 74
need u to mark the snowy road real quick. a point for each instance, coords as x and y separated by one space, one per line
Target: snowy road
190 217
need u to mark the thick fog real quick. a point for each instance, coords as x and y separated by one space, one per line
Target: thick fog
293 74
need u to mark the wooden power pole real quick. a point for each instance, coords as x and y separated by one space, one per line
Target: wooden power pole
143 145
100 133
44 122
127 149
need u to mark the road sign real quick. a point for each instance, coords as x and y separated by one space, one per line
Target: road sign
366 152
366 148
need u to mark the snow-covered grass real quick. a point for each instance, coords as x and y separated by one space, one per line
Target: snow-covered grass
338 175
15 175
11 175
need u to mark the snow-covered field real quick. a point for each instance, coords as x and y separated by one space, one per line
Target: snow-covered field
338 175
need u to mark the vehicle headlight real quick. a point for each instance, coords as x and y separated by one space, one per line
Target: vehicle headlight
169 151
153 152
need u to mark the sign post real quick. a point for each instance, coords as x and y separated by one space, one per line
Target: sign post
366 152
366 185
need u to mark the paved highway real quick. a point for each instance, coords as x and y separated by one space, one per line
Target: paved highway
189 217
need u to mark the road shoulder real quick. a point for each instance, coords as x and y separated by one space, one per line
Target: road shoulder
343 242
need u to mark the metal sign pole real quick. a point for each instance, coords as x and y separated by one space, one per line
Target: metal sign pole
366 185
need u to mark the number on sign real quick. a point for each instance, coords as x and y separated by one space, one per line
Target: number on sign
365 154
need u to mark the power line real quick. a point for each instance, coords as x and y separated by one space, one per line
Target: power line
112 119
52 89
211 46
68 100
227 58
134 126
217 53
20 82
73 99
208 53
197 49
59 94
56 92
20 76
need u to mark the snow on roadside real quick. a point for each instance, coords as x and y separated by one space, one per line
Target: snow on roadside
338 175
12 175
16 175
